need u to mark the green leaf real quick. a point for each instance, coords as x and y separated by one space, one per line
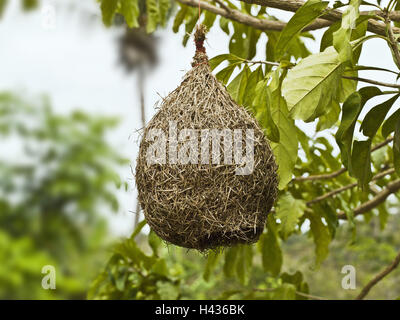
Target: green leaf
270 249
209 19
297 280
237 87
262 108
154 242
322 238
286 150
390 124
153 15
130 10
244 263
212 260
179 17
224 25
304 16
329 119
350 111
3 4
254 78
231 256
163 6
289 210
139 228
375 117
108 10
311 85
396 147
225 74
286 291
361 162
342 37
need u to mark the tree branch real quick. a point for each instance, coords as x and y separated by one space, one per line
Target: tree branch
392 42
237 16
306 295
349 186
379 277
340 171
375 201
332 15
260 24
377 83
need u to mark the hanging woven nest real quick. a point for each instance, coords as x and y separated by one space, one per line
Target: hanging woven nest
188 198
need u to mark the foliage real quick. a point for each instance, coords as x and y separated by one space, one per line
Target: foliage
57 175
342 172
292 85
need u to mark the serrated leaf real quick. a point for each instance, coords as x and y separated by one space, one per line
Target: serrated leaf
289 210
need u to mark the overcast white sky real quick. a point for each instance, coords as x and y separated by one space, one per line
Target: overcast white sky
75 64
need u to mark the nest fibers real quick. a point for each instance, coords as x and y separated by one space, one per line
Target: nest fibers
197 193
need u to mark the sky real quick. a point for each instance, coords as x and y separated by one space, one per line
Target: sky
63 50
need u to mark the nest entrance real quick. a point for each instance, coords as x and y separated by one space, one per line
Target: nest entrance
205 205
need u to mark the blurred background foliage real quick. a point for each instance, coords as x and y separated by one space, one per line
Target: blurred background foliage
52 196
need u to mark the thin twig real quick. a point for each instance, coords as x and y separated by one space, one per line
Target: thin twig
364 292
269 25
330 14
378 83
375 201
392 42
349 186
306 295
223 5
262 62
340 171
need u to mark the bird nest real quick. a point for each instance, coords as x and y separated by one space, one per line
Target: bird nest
205 173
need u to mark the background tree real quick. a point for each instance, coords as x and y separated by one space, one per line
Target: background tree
57 181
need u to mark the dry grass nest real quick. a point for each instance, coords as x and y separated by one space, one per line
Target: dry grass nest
205 206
